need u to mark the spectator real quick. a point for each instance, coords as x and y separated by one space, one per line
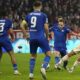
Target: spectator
69 9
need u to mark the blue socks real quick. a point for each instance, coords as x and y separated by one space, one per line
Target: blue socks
57 59
15 66
45 64
46 61
32 64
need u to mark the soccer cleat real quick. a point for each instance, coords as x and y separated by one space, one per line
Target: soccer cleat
70 70
31 76
16 72
57 67
43 73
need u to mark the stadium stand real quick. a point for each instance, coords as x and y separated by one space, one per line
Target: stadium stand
69 9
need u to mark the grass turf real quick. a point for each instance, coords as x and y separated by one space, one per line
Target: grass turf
23 64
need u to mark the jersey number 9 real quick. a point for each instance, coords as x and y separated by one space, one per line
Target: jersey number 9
33 21
2 27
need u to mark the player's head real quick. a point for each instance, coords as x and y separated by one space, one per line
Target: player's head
60 22
37 5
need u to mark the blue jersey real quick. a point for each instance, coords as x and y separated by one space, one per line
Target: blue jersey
5 25
36 21
60 36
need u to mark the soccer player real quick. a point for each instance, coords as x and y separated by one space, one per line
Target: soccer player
60 31
5 27
38 29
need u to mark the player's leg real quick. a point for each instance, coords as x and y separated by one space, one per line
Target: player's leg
63 53
66 57
72 53
46 59
8 47
13 60
76 63
33 49
57 58
45 47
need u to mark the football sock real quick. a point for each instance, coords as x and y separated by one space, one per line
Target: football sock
46 61
65 64
15 67
32 64
57 59
65 58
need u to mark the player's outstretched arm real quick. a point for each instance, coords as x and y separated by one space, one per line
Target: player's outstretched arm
73 33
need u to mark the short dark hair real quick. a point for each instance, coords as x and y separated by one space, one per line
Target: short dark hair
60 19
37 4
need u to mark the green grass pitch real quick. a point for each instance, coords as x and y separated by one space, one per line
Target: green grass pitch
23 64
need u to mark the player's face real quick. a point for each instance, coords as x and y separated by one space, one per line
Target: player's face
61 24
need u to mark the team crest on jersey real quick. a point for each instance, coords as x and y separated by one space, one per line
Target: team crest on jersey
62 30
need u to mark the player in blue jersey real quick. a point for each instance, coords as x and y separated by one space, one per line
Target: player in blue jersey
5 27
60 31
38 29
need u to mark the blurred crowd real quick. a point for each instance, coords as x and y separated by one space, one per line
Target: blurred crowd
68 9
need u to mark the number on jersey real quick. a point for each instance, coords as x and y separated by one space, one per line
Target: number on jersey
33 21
2 27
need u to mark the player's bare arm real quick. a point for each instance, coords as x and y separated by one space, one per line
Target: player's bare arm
73 33
11 33
46 30
52 34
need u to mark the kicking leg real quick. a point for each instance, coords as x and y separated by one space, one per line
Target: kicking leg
76 63
63 53
66 57
72 53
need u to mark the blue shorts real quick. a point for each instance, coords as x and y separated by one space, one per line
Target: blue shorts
42 43
61 50
6 44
